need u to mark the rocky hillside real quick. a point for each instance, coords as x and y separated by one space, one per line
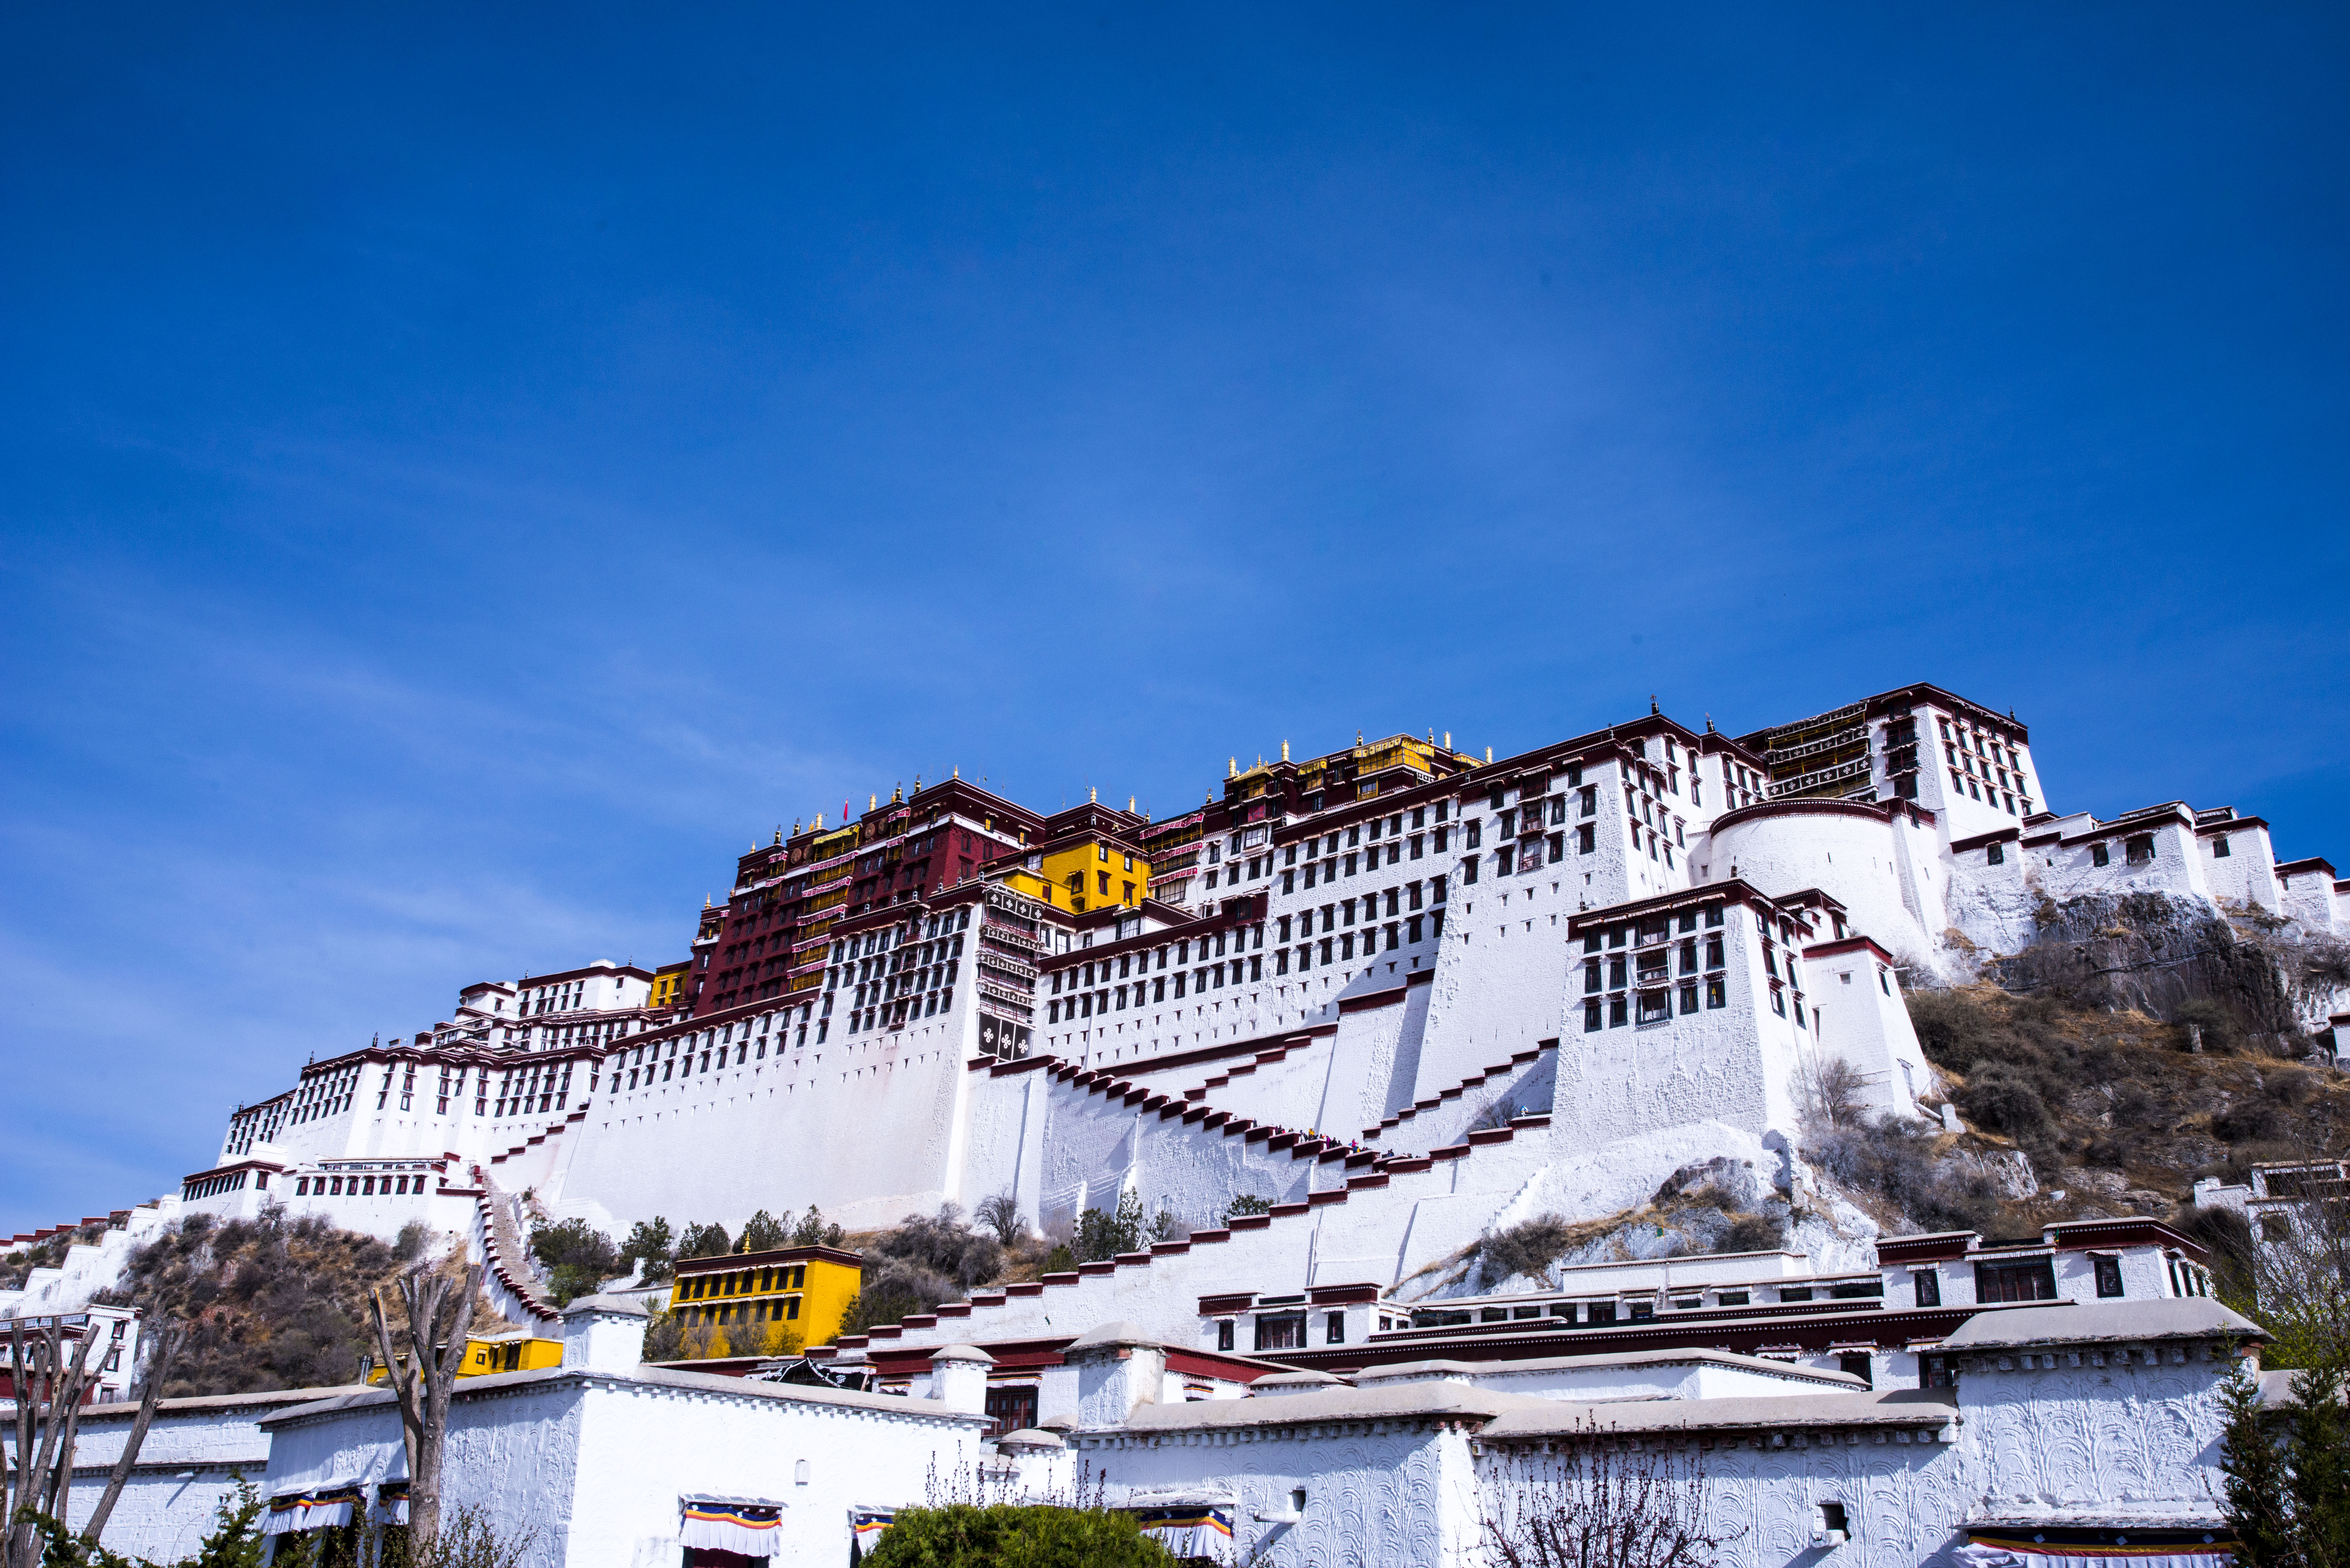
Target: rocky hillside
2138 1045
275 1302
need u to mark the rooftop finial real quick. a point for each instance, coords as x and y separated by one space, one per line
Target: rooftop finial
958 772
1652 703
1285 750
873 802
779 832
897 792
1093 796
1448 740
1708 725
1129 805
1489 755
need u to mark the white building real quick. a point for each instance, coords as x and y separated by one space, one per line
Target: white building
1402 994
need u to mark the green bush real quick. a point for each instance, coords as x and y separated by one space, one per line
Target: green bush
960 1536
1104 1235
578 1256
2006 1097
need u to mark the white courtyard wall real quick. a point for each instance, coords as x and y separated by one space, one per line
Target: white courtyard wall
1906 1501
187 1466
1383 1493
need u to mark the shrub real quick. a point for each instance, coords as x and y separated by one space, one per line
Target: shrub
1246 1203
961 1536
2217 1025
1897 1161
923 1260
1753 1233
578 1256
1106 1235
1525 1249
1001 1214
2001 1095
647 1247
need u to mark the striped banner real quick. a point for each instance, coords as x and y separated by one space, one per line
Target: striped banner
728 1525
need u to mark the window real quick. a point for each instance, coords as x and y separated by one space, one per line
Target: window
1857 1363
1586 839
1600 1311
1928 1286
1655 1006
2220 847
2139 849
2098 855
1717 993
2026 1281
1224 1335
1590 1017
1335 1329
1689 998
1937 1372
1286 1331
1995 855
2109 1276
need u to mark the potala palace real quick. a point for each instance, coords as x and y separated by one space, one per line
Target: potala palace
1409 997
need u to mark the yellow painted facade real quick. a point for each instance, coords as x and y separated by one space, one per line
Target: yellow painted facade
766 1304
1085 874
506 1353
666 982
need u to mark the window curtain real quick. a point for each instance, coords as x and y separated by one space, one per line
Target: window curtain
748 1526
1190 1524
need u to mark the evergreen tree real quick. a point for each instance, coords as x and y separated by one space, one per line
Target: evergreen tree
763 1232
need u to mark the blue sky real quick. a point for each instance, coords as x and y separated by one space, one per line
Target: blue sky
469 472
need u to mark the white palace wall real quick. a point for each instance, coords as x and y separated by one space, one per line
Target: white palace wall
863 1129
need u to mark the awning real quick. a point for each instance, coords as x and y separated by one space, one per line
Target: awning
1188 1524
320 1508
391 1502
866 1525
2118 1546
749 1526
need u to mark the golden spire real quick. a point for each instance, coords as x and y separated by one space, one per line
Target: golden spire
1093 796
1285 750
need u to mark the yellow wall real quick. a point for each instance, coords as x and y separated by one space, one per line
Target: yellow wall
816 1288
1085 861
483 1357
665 984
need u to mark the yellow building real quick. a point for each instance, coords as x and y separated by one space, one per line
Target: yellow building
520 1351
1090 857
766 1304
666 982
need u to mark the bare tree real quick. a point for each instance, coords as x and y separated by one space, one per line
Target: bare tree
1602 1500
1001 1214
2300 1264
163 1348
48 1391
438 1303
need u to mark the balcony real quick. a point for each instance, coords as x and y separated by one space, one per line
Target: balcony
1825 780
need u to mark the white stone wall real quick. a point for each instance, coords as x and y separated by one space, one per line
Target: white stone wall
2067 867
598 1467
863 1128
1376 1494
1905 1499
2091 1429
